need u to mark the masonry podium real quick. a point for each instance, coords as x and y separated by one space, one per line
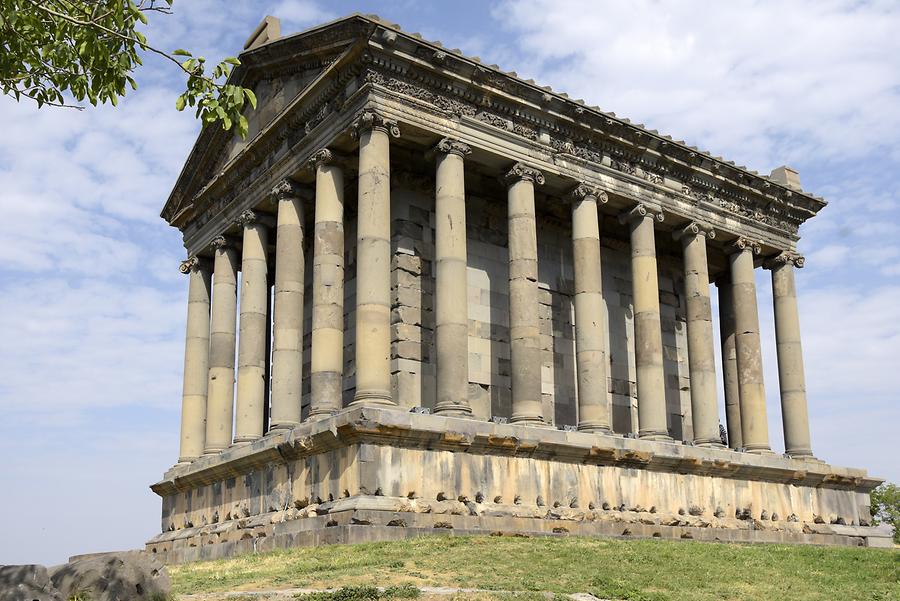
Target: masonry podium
426 296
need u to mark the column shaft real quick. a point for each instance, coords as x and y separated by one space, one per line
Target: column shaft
701 354
651 384
373 264
524 328
754 423
794 412
729 366
251 383
327 362
451 281
287 339
591 337
196 361
220 404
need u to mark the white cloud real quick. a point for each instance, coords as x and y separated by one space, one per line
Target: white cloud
758 82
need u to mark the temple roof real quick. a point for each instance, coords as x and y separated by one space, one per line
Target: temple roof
270 54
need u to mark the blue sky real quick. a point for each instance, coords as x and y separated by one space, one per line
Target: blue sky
92 305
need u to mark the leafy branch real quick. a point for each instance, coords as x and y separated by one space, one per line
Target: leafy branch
52 51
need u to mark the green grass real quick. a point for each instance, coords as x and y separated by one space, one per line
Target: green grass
640 570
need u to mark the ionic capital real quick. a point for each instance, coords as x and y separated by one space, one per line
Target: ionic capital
451 146
220 242
369 119
584 190
640 211
320 157
522 172
251 217
193 263
784 258
694 228
743 245
286 189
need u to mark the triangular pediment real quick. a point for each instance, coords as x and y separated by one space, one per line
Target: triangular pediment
278 72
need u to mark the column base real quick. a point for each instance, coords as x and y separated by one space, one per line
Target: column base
214 451
709 443
244 441
321 414
759 450
594 428
805 454
654 435
452 410
372 398
282 426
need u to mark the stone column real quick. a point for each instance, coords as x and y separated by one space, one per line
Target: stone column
651 383
729 364
754 424
591 335
373 261
251 382
794 414
287 337
196 361
451 299
524 328
701 354
220 404
327 361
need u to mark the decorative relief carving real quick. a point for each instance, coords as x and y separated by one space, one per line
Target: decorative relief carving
742 244
320 157
286 189
247 217
190 264
370 119
640 211
451 146
584 190
521 171
784 258
692 229
220 242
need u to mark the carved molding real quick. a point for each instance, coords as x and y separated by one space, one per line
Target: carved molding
221 242
521 171
451 146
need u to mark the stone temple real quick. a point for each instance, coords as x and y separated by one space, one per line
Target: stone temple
427 296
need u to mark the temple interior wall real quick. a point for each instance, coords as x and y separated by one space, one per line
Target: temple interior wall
412 282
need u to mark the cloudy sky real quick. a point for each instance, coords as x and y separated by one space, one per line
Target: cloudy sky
92 305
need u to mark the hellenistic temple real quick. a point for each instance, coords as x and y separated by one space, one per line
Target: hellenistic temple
427 296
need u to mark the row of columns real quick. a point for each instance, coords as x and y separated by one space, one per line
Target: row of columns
209 414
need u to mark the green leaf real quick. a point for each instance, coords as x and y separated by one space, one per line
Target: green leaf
179 103
251 97
182 52
232 61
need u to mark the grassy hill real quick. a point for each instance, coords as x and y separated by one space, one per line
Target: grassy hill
640 570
